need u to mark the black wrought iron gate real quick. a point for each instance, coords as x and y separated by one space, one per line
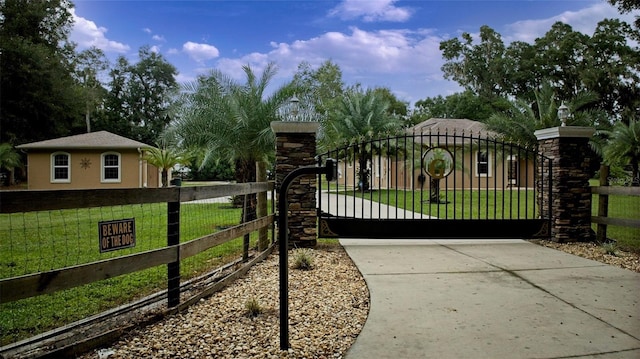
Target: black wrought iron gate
436 185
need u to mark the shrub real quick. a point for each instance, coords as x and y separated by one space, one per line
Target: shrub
253 307
303 259
610 248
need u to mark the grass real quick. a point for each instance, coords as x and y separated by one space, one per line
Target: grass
253 307
609 248
41 241
627 238
485 204
303 259
510 204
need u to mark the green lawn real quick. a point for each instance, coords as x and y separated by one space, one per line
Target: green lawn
485 204
494 204
626 238
41 241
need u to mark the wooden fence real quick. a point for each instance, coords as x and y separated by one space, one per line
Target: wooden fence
604 191
35 284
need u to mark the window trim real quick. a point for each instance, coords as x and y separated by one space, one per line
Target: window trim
477 166
103 167
54 166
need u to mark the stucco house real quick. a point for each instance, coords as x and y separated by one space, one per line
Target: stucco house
484 165
91 160
476 167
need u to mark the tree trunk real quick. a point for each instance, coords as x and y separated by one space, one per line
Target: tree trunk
87 119
434 191
165 178
363 174
261 175
245 173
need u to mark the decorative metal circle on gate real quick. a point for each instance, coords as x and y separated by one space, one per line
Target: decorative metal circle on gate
437 162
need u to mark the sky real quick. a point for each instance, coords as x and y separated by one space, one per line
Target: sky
376 43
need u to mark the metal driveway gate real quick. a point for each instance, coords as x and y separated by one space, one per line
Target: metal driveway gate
436 185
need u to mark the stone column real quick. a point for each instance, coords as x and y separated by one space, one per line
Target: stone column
296 147
567 148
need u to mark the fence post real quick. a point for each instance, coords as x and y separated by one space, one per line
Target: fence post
261 210
569 181
295 148
603 204
173 268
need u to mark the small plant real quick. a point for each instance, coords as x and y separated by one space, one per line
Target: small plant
303 259
253 307
610 248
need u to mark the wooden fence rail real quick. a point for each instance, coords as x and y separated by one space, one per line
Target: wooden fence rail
30 201
604 191
16 288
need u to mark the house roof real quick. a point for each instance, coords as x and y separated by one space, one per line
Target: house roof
450 126
92 140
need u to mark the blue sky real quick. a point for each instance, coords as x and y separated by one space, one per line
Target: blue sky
377 43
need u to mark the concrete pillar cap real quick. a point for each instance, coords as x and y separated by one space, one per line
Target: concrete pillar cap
564 132
295 126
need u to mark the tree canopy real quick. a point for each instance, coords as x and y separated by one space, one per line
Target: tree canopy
230 120
321 86
624 148
140 97
38 91
626 6
605 64
359 115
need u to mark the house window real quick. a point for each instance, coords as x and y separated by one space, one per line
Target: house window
483 164
60 167
110 167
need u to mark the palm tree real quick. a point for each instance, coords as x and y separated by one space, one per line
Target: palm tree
360 117
519 123
231 121
623 146
9 159
165 158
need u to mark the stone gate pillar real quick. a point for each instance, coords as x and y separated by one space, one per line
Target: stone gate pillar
567 147
296 147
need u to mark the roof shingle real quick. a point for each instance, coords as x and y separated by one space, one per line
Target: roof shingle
450 126
92 140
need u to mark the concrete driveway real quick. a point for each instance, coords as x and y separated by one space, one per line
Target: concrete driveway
492 299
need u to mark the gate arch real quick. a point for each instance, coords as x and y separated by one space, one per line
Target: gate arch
436 185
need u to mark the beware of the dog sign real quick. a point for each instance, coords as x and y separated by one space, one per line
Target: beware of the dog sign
117 234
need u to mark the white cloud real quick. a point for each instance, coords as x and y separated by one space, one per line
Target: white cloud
87 34
200 52
147 30
158 38
584 20
384 51
371 11
155 49
408 62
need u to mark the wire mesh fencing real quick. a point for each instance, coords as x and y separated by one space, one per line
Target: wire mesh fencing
39 246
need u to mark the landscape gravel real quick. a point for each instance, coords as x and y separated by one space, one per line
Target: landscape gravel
328 306
590 250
